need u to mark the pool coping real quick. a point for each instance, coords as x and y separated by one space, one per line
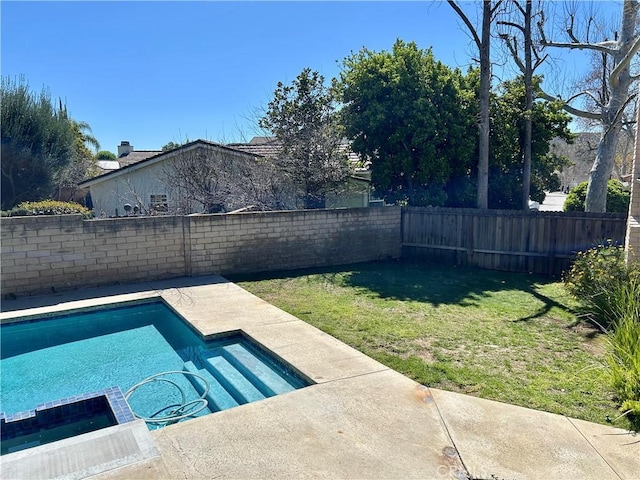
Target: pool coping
360 418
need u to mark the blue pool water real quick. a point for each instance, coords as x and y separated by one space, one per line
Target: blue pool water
58 357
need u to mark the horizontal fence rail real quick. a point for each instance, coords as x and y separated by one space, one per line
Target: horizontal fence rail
536 242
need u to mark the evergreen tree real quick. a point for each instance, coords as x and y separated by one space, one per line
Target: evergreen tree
508 141
38 141
412 118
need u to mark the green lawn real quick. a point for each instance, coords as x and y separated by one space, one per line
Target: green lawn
502 336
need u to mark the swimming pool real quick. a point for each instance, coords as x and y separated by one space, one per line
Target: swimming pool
145 349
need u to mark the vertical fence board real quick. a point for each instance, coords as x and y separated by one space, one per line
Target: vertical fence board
537 242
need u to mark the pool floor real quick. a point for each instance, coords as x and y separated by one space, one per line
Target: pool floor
118 359
159 368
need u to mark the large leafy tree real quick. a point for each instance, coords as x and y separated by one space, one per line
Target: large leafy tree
410 116
38 141
509 140
303 117
173 145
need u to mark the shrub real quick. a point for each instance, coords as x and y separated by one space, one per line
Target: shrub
617 198
623 352
610 290
599 277
47 207
105 155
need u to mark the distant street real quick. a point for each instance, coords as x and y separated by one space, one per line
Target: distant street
553 202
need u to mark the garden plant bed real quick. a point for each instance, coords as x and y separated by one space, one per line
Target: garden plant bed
509 337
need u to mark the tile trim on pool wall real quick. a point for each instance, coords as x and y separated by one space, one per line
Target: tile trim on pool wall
39 314
69 407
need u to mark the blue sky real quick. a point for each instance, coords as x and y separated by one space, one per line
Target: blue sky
154 72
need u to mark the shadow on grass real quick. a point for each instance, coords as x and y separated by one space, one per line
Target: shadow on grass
548 304
432 283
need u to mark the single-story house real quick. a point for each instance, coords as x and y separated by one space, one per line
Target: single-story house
142 186
140 181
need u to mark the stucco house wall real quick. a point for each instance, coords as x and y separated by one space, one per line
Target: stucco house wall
110 195
136 184
356 193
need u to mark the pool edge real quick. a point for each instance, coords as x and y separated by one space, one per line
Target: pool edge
83 455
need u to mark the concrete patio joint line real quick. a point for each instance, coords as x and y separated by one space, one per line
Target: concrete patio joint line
448 432
594 447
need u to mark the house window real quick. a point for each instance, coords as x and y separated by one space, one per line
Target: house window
159 203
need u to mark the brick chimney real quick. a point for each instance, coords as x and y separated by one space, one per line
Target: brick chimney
124 148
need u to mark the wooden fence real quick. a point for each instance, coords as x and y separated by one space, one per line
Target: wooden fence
537 242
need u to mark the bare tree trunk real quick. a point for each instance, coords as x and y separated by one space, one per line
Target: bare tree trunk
485 94
610 115
528 128
596 199
620 81
527 67
483 43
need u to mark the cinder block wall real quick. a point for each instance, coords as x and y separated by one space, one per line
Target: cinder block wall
48 253
44 254
266 241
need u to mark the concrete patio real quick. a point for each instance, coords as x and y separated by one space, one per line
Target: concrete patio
359 420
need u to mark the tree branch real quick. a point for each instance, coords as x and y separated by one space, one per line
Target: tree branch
495 7
620 111
511 24
608 47
513 51
599 47
519 7
540 24
539 61
587 93
624 62
466 21
570 29
568 108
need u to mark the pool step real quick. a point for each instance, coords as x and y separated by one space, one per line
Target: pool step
263 377
218 397
237 375
232 380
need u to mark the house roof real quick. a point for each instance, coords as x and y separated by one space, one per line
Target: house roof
126 160
108 165
262 146
257 147
154 157
271 147
261 140
137 156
